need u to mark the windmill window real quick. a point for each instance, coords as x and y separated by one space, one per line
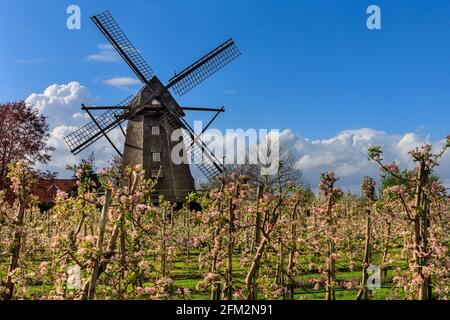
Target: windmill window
155 131
156 156
156 149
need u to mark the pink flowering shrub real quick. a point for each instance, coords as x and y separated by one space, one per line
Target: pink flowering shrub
111 241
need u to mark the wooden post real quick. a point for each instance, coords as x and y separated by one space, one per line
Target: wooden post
100 240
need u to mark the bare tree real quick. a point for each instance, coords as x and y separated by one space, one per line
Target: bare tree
285 172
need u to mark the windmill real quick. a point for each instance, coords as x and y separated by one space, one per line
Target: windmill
153 115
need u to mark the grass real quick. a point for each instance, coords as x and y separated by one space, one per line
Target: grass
191 278
186 274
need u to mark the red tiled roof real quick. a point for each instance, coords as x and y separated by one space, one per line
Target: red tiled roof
46 190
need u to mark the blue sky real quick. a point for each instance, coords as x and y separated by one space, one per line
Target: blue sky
310 66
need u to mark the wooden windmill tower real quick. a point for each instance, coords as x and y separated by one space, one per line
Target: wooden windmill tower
153 115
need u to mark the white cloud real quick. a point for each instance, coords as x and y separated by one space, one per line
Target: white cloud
62 156
346 154
60 99
106 53
60 103
81 115
122 82
31 61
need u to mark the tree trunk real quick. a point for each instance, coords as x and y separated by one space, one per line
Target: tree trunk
228 289
17 243
254 268
163 246
291 263
385 251
115 235
331 273
215 287
425 292
421 232
251 282
279 276
363 293
100 240
251 275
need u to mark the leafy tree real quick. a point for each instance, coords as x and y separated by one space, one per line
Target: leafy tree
390 180
84 172
23 136
417 195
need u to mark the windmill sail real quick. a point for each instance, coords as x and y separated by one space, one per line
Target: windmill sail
144 145
199 153
91 132
109 27
204 67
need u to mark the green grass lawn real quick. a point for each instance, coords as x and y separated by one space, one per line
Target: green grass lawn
186 274
191 279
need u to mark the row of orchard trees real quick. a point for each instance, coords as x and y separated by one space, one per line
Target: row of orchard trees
122 246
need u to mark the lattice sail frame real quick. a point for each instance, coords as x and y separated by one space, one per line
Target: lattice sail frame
196 151
88 134
111 30
181 83
204 67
